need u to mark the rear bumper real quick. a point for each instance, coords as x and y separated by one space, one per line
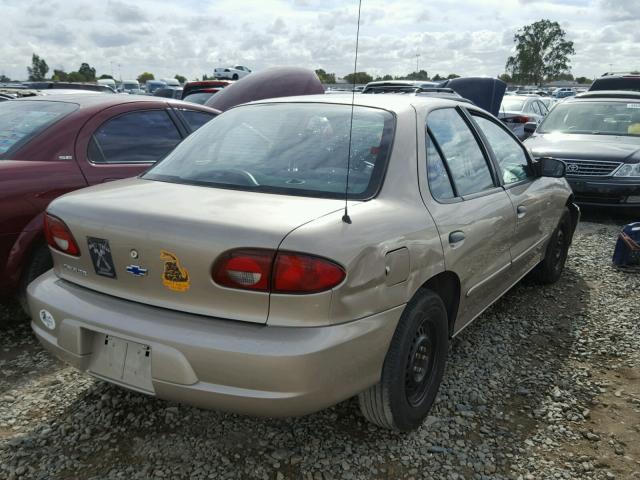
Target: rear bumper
606 192
219 364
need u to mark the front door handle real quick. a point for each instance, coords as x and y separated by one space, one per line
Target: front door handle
456 237
522 211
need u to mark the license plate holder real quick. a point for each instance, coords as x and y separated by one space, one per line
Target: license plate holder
122 361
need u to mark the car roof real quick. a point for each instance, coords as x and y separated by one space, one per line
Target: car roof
101 100
389 101
620 94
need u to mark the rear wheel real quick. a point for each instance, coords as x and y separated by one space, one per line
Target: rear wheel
235 76
413 368
39 262
550 268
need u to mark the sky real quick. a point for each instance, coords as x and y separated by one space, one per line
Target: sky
192 37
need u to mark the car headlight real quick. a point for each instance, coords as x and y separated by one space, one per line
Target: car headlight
628 170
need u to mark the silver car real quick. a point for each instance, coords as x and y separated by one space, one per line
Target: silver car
518 110
295 252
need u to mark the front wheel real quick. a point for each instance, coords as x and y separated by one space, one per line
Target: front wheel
235 76
413 368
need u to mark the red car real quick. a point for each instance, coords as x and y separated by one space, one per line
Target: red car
54 144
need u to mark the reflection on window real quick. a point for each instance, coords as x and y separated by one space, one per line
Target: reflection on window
511 158
462 153
136 137
439 182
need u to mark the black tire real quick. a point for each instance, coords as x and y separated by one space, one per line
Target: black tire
550 269
39 262
235 76
403 397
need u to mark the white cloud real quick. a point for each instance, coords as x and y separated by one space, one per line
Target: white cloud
192 37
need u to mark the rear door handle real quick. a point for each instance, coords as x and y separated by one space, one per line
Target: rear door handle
522 211
456 237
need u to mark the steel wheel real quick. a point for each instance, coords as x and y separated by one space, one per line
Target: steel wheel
420 365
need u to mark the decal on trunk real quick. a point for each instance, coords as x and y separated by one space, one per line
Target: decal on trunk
101 257
174 276
136 270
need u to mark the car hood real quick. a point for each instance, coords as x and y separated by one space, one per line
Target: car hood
587 147
164 239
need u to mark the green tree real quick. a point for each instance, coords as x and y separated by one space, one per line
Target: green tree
562 76
76 77
205 77
180 78
88 72
542 51
437 77
506 78
451 76
4 78
60 76
145 77
325 77
105 76
38 69
421 75
583 80
358 77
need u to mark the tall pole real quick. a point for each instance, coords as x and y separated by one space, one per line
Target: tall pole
417 62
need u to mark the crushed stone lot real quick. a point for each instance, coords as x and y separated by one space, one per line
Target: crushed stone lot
544 385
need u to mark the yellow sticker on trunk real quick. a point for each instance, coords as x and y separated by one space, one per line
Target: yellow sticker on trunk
174 276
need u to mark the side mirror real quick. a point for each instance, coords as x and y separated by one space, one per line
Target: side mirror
550 167
530 127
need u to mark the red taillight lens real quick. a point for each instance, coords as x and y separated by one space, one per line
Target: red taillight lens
297 273
244 269
521 119
255 269
59 236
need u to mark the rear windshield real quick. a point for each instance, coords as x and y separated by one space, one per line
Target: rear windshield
287 148
200 98
595 118
512 104
616 83
21 120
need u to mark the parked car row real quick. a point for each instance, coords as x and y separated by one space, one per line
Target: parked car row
391 218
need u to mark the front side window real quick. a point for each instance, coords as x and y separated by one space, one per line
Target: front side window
512 160
135 137
466 161
21 120
286 148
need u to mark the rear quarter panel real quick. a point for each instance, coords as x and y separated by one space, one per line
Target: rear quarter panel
395 219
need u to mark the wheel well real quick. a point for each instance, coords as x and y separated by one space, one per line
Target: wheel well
575 214
447 285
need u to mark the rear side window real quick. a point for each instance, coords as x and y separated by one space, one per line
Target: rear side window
466 161
135 137
196 119
439 181
20 121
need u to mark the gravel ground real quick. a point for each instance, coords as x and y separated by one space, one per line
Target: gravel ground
544 385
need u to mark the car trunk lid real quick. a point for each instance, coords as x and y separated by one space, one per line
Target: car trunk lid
156 243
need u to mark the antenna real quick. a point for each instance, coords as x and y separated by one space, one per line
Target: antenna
346 218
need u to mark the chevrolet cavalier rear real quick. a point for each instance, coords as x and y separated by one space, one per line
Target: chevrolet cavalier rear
229 276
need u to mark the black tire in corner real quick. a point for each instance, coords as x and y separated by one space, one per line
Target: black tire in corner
550 268
235 76
39 262
413 367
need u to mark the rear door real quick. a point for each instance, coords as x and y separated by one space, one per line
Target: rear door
125 140
527 194
473 213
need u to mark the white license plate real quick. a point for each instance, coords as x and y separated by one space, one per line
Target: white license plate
122 361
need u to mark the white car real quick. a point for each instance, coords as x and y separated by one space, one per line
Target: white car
231 73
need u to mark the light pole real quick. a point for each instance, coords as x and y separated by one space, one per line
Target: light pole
417 62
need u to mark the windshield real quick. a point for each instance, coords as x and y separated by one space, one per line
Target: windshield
512 104
199 98
22 120
596 118
288 148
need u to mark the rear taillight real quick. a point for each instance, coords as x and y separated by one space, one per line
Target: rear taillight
283 272
244 269
520 119
297 273
59 236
